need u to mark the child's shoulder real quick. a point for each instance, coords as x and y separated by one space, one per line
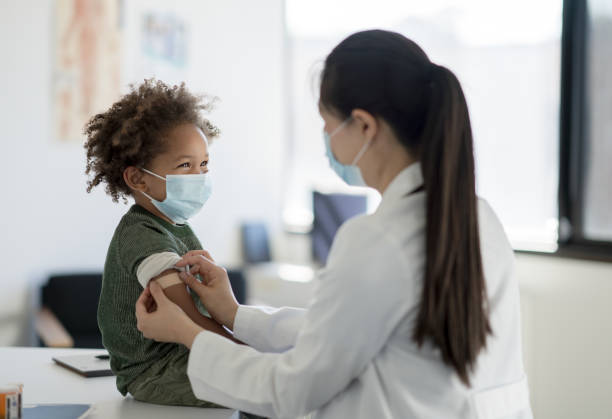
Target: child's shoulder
141 233
140 230
138 221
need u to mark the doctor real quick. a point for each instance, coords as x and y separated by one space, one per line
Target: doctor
416 314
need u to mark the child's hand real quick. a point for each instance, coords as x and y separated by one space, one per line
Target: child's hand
214 291
167 323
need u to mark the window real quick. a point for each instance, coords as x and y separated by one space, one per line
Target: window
598 169
507 56
586 130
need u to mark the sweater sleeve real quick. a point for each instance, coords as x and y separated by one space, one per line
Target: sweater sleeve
140 241
154 265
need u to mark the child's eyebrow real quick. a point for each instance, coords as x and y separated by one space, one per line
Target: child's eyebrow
188 156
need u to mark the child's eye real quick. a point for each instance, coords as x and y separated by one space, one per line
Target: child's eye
186 165
204 163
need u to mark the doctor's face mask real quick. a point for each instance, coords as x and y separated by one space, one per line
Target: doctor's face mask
349 173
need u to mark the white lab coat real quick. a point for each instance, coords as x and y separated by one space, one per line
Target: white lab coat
351 353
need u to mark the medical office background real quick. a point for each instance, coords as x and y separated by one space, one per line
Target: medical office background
538 80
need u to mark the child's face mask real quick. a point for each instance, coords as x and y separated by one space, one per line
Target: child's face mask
185 195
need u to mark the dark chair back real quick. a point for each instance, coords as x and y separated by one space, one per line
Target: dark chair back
239 285
73 298
255 242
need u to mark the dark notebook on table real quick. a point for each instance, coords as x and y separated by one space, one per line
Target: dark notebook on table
86 365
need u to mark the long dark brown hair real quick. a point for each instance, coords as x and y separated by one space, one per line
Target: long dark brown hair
391 77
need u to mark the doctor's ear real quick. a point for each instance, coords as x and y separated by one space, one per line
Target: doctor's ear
366 123
134 178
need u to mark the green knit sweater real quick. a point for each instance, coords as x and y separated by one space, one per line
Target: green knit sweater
138 235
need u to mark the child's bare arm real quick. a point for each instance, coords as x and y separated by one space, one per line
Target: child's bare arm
176 291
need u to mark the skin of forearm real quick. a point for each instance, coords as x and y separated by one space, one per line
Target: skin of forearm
179 295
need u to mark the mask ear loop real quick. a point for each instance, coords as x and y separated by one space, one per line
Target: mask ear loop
147 195
153 174
342 125
364 148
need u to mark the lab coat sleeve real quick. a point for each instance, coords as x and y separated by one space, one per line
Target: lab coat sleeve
362 296
268 329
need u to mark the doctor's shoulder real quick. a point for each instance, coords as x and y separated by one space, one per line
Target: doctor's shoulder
492 232
497 253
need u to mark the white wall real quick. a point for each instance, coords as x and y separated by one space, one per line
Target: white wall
567 336
48 221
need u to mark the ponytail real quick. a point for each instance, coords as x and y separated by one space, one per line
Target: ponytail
453 312
391 77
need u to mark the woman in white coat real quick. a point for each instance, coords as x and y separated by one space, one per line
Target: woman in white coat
416 314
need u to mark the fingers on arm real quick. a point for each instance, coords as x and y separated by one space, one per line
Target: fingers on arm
178 294
157 293
143 301
147 300
190 280
202 252
166 279
197 260
143 305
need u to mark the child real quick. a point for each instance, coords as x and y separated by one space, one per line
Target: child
152 145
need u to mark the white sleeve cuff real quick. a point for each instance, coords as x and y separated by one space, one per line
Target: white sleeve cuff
154 265
242 323
268 329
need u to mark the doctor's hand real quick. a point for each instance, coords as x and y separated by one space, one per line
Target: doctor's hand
199 253
214 291
168 322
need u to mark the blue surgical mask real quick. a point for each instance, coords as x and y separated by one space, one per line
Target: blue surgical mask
350 173
185 195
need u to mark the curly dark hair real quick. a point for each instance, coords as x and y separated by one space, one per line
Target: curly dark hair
131 132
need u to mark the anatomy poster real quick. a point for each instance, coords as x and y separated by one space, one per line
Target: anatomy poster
86 76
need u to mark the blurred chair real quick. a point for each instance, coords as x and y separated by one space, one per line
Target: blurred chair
69 303
68 311
271 282
255 243
239 284
330 211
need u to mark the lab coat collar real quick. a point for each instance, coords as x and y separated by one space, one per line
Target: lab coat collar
406 181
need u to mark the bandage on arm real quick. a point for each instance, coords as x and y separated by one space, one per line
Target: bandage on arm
168 279
176 291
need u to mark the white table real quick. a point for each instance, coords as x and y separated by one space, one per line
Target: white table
46 382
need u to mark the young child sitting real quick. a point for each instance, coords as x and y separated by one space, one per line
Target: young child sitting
152 145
